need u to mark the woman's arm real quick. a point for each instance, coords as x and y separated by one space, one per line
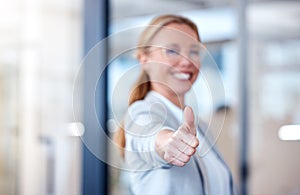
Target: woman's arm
150 143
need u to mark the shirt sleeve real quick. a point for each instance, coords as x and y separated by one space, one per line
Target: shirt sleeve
142 123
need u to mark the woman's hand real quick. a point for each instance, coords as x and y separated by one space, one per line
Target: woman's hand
177 147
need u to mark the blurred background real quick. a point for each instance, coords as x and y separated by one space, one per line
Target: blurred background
256 49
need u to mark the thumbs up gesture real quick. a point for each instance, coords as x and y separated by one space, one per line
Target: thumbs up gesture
177 147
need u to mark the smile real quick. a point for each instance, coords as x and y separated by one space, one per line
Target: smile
182 76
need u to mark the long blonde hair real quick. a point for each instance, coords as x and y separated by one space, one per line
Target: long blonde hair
143 84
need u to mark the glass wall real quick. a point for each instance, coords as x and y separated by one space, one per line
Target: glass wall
275 104
41 50
274 52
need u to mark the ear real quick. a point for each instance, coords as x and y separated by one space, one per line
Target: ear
144 60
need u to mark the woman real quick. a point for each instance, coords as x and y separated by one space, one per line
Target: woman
161 147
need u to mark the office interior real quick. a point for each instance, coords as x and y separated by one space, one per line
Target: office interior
47 148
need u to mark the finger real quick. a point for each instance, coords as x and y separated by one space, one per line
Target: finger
180 159
191 140
183 157
187 138
177 163
185 148
189 119
171 154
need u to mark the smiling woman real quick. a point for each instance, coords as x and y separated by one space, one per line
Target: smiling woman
159 148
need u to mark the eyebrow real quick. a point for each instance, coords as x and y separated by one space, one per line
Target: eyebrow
193 46
173 45
196 46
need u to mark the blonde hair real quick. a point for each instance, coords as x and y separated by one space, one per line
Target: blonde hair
143 84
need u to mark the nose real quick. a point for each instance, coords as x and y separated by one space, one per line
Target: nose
185 61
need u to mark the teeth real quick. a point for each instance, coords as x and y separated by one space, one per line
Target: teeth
182 76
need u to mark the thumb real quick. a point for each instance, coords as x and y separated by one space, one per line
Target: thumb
189 119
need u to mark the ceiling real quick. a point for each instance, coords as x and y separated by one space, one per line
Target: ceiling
265 18
129 8
275 19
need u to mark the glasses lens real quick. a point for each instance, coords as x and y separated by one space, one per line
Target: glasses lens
172 53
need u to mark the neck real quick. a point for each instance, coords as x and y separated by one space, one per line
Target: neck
177 99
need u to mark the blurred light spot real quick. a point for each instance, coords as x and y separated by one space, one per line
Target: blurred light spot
75 129
289 132
112 126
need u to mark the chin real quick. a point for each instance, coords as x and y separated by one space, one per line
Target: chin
182 90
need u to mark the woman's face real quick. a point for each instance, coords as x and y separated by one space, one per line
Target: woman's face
173 60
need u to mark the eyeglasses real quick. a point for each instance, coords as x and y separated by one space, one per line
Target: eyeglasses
174 52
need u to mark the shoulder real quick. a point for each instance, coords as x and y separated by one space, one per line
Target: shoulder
145 114
149 106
